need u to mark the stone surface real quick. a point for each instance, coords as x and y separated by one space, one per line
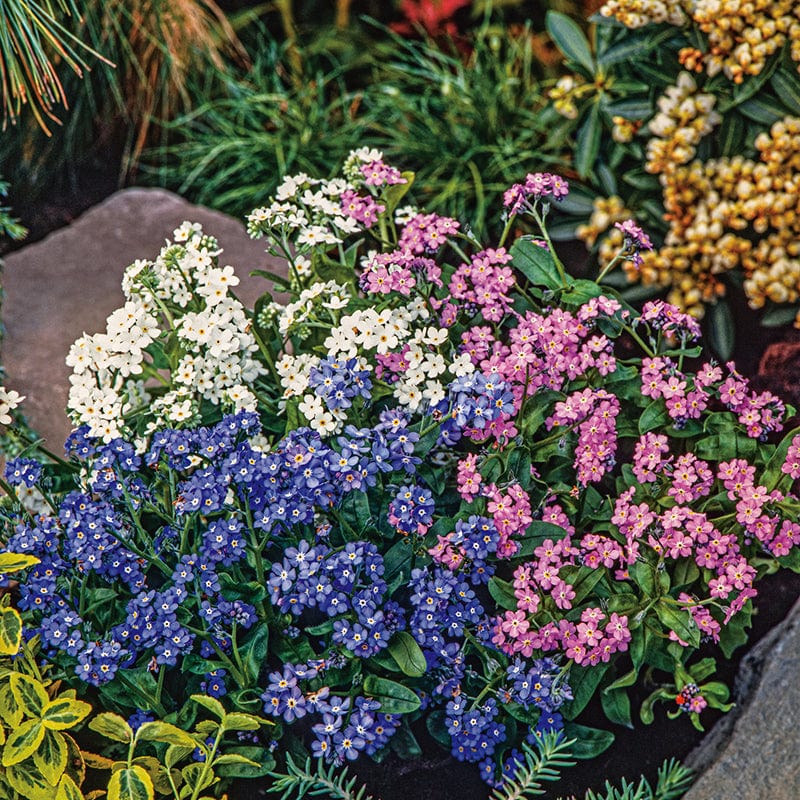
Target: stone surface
754 753
67 284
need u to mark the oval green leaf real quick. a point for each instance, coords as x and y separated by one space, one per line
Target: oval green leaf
393 697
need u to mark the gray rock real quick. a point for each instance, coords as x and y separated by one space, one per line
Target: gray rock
67 284
754 753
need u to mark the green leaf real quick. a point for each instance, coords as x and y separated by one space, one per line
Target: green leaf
644 576
679 621
158 731
721 332
779 316
628 679
254 651
787 87
10 631
581 291
241 722
435 723
503 593
63 713
617 707
13 562
10 708
734 634
393 697
29 693
112 726
731 135
763 110
535 263
131 784
68 790
570 40
210 704
654 416
22 742
631 108
256 763
587 144
584 682
589 742
396 192
408 655
29 782
646 710
51 757
535 534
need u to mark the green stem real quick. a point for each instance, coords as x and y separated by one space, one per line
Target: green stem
208 763
608 267
507 229
562 273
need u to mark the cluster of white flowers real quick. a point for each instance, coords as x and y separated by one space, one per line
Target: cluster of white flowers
9 400
179 302
307 212
328 295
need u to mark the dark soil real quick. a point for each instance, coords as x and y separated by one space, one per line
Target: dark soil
768 356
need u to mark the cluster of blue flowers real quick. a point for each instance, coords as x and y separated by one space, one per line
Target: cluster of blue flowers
215 501
338 382
346 727
473 402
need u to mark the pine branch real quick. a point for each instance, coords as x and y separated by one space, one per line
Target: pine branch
302 781
543 764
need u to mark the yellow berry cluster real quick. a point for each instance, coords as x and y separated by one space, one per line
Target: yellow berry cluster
638 13
715 207
684 117
743 34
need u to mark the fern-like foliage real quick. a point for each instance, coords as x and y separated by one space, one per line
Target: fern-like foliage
673 781
316 780
552 754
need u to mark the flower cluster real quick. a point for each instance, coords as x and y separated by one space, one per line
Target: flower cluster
182 299
468 482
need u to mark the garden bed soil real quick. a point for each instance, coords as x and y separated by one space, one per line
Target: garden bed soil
770 357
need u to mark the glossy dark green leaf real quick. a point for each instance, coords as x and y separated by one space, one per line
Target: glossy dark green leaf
570 40
787 86
393 697
408 655
587 144
535 263
654 416
617 707
584 682
589 742
678 620
503 593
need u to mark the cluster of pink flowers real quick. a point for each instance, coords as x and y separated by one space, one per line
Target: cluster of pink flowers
398 271
760 413
594 413
485 282
669 319
426 233
361 208
376 173
537 185
588 642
